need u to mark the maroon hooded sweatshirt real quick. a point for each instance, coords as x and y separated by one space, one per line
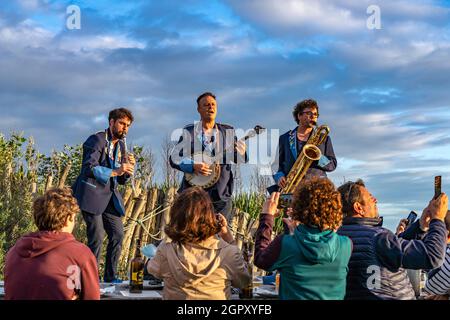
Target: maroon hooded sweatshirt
48 265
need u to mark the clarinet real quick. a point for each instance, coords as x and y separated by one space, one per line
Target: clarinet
133 187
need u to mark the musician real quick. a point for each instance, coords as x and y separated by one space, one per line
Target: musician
291 144
210 137
104 167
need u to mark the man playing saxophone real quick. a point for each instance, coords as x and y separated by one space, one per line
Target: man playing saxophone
292 142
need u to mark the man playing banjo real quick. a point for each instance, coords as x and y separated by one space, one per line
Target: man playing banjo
208 138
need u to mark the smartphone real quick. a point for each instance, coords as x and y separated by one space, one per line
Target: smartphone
437 186
412 216
218 221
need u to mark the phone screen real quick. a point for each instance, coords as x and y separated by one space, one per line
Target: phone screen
411 217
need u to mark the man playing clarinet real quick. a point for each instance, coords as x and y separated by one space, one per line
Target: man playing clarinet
105 166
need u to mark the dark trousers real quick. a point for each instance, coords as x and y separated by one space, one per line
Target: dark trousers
224 207
96 226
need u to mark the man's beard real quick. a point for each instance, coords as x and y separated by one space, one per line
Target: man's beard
117 134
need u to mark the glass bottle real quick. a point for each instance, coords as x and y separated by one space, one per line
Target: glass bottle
137 270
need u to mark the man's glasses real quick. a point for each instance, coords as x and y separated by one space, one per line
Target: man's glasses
311 114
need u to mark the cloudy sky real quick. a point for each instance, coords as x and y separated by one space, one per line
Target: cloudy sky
383 92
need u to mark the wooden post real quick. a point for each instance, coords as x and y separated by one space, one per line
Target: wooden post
137 229
127 238
152 204
127 195
170 196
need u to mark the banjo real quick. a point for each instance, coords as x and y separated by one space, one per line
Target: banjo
198 180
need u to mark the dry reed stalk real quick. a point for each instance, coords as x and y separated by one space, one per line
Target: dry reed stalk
64 175
241 235
127 195
168 200
252 228
33 188
234 220
152 202
49 182
127 238
137 188
137 229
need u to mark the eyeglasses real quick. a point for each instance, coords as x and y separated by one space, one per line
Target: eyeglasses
311 114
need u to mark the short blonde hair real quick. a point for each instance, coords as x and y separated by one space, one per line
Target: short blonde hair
51 210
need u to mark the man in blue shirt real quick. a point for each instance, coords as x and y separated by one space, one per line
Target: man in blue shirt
105 166
211 138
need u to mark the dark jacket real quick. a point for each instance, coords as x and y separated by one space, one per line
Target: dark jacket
49 265
288 154
188 141
379 259
94 186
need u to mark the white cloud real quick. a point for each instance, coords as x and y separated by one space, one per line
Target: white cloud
100 42
30 4
26 34
299 16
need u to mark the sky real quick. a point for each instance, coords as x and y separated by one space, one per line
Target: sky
384 92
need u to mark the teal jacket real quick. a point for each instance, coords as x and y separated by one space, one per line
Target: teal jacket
313 265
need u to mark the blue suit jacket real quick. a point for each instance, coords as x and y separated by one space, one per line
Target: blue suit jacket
94 186
288 153
223 189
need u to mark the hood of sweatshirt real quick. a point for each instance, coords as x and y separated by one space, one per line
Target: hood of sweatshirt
194 262
41 242
317 246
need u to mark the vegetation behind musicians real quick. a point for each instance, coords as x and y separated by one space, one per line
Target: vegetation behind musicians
291 144
95 189
209 137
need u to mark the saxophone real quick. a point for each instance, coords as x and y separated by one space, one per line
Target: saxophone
310 153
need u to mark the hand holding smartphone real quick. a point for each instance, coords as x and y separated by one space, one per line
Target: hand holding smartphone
437 186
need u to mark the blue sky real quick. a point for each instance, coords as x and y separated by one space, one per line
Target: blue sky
384 93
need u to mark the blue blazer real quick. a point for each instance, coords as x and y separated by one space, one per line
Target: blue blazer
94 186
288 153
223 189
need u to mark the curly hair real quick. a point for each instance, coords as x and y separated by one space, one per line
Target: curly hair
51 210
351 193
317 203
192 217
302 105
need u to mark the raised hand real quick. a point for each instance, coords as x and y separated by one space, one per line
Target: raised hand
271 204
439 207
401 226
